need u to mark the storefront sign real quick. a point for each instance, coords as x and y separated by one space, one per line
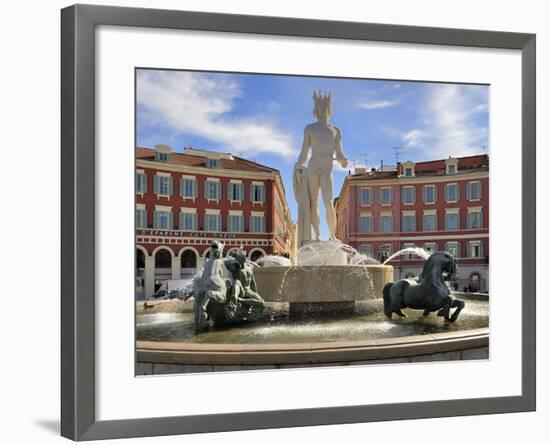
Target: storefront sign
178 233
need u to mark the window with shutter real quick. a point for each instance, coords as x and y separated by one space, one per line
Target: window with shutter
162 220
257 224
235 191
141 218
451 193
475 220
236 223
188 221
366 196
257 193
385 224
163 185
365 224
408 195
141 183
212 223
212 190
453 248
408 223
188 188
474 191
475 249
429 223
429 194
452 221
386 196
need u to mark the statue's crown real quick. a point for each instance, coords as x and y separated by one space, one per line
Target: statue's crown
319 98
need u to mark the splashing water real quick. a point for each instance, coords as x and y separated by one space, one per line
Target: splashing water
419 251
273 261
331 253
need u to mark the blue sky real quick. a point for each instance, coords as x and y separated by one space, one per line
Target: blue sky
262 117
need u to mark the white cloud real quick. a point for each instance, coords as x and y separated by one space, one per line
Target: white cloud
448 122
374 105
413 138
200 105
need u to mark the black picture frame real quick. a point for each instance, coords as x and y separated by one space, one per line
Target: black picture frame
78 24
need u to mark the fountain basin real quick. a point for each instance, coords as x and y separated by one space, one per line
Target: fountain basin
176 357
322 284
167 342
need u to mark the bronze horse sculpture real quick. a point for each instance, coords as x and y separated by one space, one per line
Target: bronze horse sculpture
429 292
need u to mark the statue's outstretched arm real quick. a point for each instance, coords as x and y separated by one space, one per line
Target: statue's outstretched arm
305 148
340 157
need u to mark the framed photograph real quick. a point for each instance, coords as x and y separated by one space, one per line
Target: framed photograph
276 219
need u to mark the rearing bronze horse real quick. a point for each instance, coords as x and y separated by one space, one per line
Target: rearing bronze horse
429 293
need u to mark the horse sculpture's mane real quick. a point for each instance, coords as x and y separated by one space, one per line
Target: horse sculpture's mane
431 272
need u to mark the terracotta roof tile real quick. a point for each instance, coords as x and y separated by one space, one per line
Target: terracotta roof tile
471 164
236 163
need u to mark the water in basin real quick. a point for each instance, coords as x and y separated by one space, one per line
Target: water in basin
367 322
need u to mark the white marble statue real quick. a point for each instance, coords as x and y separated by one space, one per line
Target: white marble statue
325 142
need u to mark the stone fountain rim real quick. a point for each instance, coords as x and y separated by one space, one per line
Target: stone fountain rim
310 353
339 266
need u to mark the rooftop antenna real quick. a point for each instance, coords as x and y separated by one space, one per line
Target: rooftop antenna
397 153
365 159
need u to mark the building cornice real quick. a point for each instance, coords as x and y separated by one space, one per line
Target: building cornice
425 180
180 168
453 237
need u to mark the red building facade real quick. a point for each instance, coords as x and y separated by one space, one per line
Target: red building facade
186 200
438 205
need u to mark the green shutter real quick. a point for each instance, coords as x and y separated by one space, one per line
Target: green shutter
156 184
170 186
170 220
414 195
156 219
